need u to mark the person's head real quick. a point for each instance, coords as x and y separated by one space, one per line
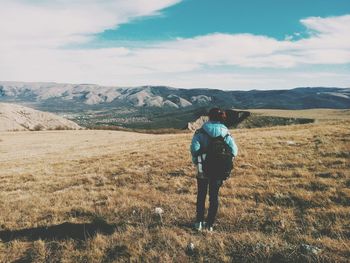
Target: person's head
216 114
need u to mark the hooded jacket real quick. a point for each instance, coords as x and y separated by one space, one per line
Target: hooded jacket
200 140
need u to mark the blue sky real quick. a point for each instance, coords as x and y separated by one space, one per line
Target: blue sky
190 18
226 44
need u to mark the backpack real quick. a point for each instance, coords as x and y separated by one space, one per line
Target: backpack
218 161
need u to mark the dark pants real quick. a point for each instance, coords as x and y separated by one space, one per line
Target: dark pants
214 186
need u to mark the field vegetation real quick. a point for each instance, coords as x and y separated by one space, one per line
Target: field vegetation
316 114
91 196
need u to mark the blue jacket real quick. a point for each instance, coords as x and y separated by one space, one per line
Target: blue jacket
200 140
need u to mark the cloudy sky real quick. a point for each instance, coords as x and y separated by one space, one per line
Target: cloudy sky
227 44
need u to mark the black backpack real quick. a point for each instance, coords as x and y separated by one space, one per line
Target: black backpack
218 161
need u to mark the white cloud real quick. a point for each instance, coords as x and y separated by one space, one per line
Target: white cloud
55 23
331 25
259 80
32 34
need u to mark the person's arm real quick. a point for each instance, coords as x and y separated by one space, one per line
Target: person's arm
231 143
195 146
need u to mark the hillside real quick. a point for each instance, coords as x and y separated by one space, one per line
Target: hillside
288 200
257 118
273 117
154 107
19 118
316 114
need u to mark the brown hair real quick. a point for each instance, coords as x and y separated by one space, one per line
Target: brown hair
216 114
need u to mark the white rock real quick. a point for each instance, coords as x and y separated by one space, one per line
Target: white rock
308 249
190 246
291 143
200 99
158 210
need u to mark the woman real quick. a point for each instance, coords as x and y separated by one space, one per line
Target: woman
214 128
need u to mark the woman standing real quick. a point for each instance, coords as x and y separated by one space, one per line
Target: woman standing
211 173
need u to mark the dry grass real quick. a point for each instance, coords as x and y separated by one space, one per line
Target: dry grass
317 114
290 189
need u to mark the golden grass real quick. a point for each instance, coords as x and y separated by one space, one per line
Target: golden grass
290 189
317 114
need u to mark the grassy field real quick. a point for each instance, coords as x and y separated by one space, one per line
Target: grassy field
90 196
317 114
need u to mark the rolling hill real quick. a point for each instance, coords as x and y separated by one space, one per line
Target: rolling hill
18 118
156 106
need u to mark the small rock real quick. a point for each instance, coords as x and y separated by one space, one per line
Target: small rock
158 210
282 224
246 165
308 249
190 246
158 215
191 250
291 143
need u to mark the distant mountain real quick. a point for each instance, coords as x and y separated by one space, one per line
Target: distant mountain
93 94
159 106
155 96
18 118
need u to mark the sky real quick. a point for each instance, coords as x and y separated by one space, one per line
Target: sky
222 44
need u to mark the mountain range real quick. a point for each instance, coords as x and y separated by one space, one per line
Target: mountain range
158 106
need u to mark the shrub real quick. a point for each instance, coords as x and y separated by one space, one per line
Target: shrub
38 127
